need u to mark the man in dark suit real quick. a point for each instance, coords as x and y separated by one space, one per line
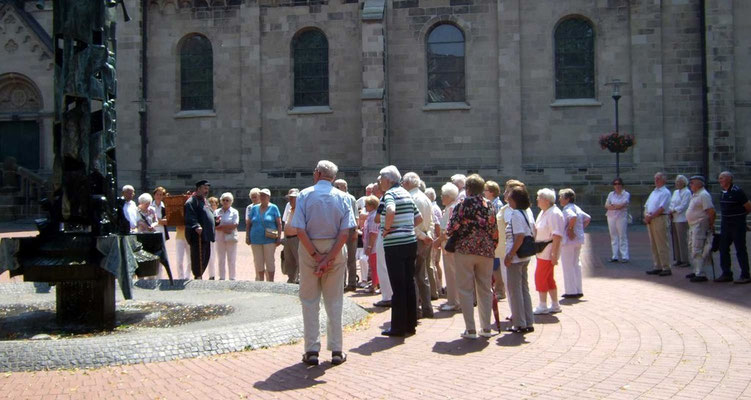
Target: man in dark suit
199 228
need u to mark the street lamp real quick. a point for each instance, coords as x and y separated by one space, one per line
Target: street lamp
616 84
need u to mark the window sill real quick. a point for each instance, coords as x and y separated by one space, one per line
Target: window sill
575 103
310 110
460 105
195 114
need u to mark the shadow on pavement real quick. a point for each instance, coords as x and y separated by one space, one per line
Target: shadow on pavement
377 344
511 340
460 347
546 319
298 376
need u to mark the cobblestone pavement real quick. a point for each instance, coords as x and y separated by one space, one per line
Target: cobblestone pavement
631 336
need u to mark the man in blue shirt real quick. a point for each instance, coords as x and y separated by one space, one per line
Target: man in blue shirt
734 206
323 219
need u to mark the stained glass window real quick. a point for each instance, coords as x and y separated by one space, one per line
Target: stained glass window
311 68
196 74
574 59
445 58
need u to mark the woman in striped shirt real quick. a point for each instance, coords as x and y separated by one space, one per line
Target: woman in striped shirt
398 219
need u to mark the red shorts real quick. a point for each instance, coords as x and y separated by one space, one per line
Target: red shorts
544 277
372 264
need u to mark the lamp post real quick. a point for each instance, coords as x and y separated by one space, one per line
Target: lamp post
616 84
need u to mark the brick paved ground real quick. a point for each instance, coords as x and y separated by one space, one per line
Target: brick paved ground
630 336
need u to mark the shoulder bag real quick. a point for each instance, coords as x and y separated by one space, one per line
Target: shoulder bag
529 246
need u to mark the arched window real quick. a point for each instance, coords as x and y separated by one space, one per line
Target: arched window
310 53
574 59
445 64
196 74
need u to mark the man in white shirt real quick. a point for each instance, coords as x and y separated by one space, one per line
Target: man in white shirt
655 216
700 215
351 280
678 204
423 232
130 210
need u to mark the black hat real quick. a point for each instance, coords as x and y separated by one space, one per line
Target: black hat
202 182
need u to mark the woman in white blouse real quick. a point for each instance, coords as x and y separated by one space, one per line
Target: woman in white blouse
678 206
226 237
520 223
550 226
617 206
450 199
576 221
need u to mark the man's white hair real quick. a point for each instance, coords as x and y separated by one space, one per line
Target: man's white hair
128 187
681 178
661 175
459 180
144 198
327 169
391 173
422 186
341 182
411 179
728 174
450 190
227 195
430 192
547 194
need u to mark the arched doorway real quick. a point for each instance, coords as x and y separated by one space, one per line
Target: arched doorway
20 104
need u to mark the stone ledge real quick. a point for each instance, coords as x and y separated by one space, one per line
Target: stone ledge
459 105
195 114
239 331
310 110
575 103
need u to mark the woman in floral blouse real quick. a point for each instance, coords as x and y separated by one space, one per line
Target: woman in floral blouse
473 224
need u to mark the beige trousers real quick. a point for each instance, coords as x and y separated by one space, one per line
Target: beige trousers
658 238
473 272
449 265
263 257
697 239
331 287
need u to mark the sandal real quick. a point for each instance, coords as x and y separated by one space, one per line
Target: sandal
338 357
310 358
514 330
486 333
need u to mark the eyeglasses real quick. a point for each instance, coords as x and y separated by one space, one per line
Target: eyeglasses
225 200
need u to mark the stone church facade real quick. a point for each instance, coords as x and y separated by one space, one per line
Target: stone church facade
251 93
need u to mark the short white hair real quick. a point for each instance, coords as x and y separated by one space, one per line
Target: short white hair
661 175
682 178
128 187
457 179
341 182
430 192
227 195
422 185
391 173
728 174
411 179
327 169
450 190
547 194
255 191
145 198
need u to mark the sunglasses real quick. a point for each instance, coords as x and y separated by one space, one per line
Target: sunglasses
225 201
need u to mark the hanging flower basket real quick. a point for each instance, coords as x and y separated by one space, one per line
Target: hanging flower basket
616 143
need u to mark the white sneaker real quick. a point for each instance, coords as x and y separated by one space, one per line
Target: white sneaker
554 309
469 335
486 333
449 307
539 310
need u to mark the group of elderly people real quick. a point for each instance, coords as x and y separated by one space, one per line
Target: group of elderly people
483 244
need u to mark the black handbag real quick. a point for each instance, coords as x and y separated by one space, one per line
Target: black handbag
529 246
450 246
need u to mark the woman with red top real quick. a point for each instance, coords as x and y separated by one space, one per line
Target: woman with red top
473 224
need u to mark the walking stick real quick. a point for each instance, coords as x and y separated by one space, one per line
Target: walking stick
200 258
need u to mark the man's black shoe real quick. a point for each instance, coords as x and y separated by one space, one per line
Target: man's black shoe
654 272
665 272
691 275
382 303
741 281
724 278
699 279
389 332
